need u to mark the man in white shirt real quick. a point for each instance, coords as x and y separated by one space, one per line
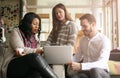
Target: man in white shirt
91 60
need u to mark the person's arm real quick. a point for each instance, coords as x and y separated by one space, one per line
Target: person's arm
16 41
77 58
49 39
72 34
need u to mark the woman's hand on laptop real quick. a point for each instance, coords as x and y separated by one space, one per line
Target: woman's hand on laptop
39 51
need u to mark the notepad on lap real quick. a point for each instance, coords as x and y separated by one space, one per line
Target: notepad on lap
58 54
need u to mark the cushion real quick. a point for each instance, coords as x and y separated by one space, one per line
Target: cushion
114 67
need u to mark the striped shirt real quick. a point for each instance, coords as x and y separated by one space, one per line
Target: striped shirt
66 36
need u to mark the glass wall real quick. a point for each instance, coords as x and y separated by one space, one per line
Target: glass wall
110 22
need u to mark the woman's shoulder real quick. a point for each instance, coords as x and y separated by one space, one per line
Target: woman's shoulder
72 26
72 22
15 31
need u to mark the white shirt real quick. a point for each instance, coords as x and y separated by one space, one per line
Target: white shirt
94 52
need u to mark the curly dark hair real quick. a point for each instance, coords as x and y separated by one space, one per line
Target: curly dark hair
25 24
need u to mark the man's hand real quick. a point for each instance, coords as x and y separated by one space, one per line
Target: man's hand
75 66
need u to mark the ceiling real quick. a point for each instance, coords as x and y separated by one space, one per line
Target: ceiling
68 3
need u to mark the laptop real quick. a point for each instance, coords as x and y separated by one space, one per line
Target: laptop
58 54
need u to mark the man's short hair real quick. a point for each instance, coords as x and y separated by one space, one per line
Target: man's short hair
89 17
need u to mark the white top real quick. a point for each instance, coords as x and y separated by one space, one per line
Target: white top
94 52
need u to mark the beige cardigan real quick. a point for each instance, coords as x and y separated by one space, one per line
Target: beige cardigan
15 41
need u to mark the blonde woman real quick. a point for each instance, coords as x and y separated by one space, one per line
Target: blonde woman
64 31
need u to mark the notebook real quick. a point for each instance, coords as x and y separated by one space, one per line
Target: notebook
58 54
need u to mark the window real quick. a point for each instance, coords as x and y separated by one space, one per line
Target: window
45 26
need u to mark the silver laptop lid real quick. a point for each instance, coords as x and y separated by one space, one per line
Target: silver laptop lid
58 54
